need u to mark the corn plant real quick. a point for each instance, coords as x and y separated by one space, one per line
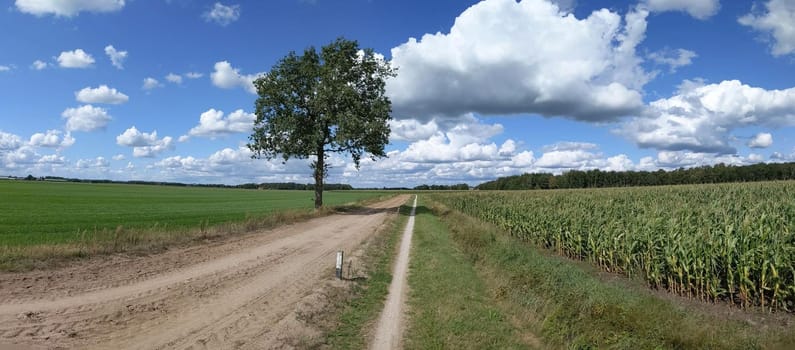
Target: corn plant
733 242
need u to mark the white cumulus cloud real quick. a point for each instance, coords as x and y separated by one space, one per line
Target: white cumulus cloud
19 157
464 142
556 158
480 161
39 65
700 118
116 57
212 123
227 77
150 83
51 159
174 78
570 146
700 9
101 94
508 57
673 58
568 155
98 162
222 14
569 159
777 21
441 149
145 145
193 75
51 139
230 156
235 165
9 141
761 140
134 138
67 8
75 59
508 148
412 129
86 118
670 160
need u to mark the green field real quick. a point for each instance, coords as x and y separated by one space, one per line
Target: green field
732 242
35 213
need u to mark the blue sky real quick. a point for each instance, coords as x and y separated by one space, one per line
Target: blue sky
161 90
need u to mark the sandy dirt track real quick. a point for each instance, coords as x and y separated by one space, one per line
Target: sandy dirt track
390 327
238 293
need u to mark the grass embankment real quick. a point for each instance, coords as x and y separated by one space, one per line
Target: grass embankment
358 310
43 223
727 242
571 304
450 306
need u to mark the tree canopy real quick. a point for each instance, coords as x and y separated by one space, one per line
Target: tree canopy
317 103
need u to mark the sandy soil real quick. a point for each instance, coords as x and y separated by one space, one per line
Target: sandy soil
245 292
391 323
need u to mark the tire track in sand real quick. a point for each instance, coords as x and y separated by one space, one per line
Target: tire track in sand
389 332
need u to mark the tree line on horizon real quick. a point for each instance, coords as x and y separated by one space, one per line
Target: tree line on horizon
719 173
250 186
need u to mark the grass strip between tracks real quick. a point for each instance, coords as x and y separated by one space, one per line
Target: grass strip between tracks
568 304
450 306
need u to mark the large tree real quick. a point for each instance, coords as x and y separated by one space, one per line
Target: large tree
317 103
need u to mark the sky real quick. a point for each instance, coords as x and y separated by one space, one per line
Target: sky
161 90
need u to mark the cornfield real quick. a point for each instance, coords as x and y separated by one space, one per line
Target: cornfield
732 242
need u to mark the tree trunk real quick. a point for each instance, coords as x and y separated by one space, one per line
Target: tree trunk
320 172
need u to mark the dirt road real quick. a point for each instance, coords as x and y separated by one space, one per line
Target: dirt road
239 293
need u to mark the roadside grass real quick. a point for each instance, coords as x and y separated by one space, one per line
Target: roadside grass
449 305
22 247
358 310
570 305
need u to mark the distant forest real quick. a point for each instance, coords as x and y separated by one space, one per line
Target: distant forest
458 187
719 173
252 186
294 186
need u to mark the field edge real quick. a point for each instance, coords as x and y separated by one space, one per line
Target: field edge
154 240
450 305
572 306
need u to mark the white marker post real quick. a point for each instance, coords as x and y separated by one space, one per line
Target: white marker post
339 264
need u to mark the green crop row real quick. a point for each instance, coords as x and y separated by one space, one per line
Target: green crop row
732 242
